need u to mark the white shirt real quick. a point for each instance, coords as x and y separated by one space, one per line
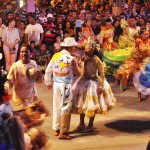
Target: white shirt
34 32
134 31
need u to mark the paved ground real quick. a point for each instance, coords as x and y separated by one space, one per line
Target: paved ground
126 127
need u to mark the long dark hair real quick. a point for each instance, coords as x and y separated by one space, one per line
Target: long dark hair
117 32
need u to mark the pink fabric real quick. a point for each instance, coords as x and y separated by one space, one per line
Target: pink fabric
30 6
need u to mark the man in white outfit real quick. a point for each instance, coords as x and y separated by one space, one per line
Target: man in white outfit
62 67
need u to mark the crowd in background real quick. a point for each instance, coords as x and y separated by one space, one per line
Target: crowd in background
44 29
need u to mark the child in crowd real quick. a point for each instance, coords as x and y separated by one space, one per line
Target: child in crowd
43 18
33 50
43 57
57 43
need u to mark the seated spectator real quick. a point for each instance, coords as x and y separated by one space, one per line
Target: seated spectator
66 34
33 50
43 57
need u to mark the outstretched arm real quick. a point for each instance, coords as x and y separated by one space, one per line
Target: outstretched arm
76 69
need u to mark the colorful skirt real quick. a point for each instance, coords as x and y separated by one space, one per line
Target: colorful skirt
142 83
116 57
87 101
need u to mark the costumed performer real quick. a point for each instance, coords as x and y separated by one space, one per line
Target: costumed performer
62 66
132 64
91 93
141 80
126 44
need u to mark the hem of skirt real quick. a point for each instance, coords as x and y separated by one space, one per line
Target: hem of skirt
91 113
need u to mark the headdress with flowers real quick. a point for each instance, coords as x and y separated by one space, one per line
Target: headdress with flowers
93 44
123 24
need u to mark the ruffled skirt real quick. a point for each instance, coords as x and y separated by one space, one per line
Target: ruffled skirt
87 101
141 84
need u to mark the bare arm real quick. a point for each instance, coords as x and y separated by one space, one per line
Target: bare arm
26 39
77 70
11 78
101 70
41 39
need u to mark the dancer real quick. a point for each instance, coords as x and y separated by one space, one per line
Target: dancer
141 80
62 66
92 93
132 64
126 44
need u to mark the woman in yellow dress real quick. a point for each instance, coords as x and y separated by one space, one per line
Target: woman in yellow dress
125 45
106 36
87 32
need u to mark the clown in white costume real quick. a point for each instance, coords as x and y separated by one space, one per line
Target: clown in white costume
62 66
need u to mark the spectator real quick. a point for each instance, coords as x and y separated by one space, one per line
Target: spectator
33 50
69 28
2 26
33 31
134 29
43 18
96 29
43 57
10 38
57 43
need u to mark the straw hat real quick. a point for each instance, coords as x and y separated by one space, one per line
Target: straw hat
69 42
32 73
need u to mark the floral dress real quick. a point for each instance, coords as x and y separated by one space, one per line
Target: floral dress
106 39
116 57
86 99
132 64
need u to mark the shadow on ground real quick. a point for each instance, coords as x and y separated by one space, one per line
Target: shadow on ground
129 126
80 134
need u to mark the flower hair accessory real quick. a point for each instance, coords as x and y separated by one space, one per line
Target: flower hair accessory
123 24
92 44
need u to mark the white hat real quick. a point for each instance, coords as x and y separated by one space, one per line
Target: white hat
49 16
1 56
68 42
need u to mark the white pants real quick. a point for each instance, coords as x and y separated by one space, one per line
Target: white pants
62 105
